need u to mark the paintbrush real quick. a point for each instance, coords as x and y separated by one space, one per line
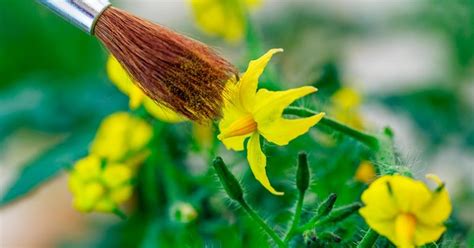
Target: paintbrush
177 71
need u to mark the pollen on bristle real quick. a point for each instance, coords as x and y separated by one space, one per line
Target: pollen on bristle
172 69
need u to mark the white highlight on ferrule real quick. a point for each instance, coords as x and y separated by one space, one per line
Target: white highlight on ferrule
81 13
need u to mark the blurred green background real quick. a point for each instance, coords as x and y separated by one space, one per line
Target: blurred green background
412 61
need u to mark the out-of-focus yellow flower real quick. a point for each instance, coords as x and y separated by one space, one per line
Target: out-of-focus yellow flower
119 76
405 210
99 188
346 102
365 172
251 113
226 19
121 136
203 134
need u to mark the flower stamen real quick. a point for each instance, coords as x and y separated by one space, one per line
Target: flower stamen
242 126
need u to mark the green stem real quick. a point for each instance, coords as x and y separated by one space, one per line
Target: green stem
255 217
296 217
369 239
312 223
369 140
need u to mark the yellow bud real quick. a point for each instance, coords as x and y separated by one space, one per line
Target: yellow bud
365 172
116 174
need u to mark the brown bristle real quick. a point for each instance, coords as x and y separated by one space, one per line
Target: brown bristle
172 69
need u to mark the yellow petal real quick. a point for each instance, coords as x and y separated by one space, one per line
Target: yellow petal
409 195
253 3
379 202
88 197
232 112
283 131
162 112
270 104
118 75
87 168
105 205
116 175
241 126
136 96
121 194
249 81
235 143
426 234
383 227
405 226
119 135
437 209
258 162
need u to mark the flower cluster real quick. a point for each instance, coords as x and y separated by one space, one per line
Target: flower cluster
97 188
405 210
102 180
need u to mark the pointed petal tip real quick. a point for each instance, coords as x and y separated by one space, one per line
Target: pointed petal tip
273 191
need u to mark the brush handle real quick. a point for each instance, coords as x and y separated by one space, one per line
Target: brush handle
82 13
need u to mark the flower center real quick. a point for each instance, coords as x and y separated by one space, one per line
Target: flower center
405 227
239 127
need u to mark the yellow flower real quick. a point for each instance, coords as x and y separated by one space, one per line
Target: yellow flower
99 188
346 102
124 83
121 136
226 19
405 210
365 172
251 113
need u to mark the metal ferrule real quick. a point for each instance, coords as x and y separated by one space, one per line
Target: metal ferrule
82 13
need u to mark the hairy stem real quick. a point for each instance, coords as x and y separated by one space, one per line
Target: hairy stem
255 217
365 138
312 223
296 217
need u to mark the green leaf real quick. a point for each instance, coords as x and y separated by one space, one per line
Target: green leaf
47 165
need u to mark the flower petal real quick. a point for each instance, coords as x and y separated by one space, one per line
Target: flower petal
162 112
379 203
425 234
258 162
136 96
118 75
436 210
270 104
235 143
249 81
410 195
283 131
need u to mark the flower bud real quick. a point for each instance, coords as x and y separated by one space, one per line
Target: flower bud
302 174
230 183
326 206
183 212
342 212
